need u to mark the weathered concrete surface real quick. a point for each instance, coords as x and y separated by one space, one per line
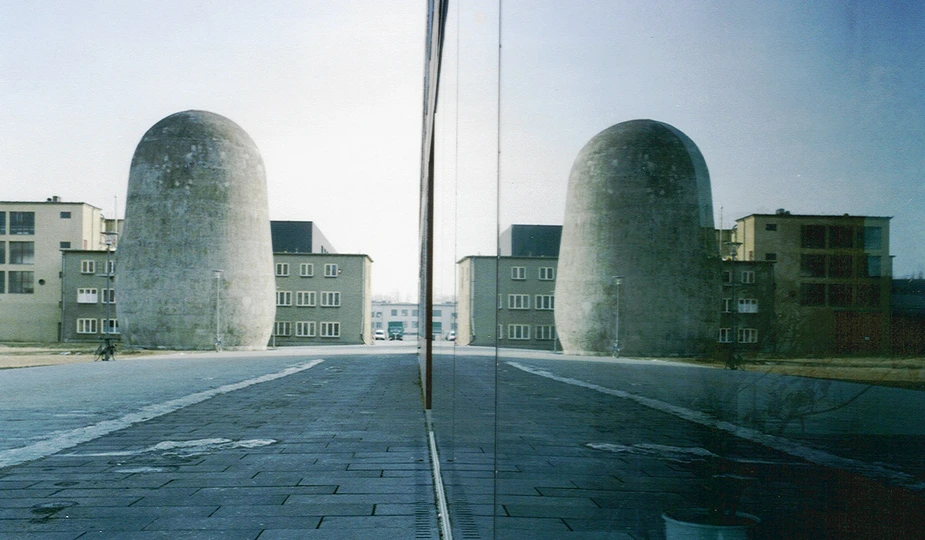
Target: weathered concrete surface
639 208
197 202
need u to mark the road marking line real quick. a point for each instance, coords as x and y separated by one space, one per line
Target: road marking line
73 437
813 455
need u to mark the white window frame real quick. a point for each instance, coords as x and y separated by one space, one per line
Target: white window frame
748 305
748 335
306 270
518 301
545 332
87 295
305 298
725 335
282 269
87 266
331 270
87 326
282 329
545 302
547 273
283 298
108 296
330 298
748 276
727 305
305 329
111 265
330 329
727 276
113 326
519 273
518 332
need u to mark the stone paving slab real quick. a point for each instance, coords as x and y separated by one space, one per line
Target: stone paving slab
287 458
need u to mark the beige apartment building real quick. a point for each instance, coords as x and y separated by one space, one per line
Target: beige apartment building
32 238
832 277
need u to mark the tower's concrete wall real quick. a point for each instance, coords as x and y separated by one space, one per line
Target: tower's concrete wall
639 208
197 202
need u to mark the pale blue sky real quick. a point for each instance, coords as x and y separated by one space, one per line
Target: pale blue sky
813 107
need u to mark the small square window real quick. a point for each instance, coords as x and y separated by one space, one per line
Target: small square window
519 272
65 215
282 269
306 270
331 270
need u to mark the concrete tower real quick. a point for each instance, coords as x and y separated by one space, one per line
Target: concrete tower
197 203
638 235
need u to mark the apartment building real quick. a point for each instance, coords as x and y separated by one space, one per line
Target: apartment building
832 275
32 238
747 321
407 314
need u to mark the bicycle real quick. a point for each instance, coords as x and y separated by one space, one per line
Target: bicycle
106 351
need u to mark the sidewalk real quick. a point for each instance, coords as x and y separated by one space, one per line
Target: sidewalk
337 451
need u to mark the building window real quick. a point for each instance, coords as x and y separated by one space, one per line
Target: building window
305 329
2 282
283 298
404 313
840 295
518 301
64 245
21 282
113 326
770 226
727 276
872 266
812 236
727 305
2 222
547 273
770 256
110 268
871 238
87 267
748 305
22 252
395 313
812 294
330 329
283 329
841 237
748 335
282 269
545 301
22 222
519 272
748 276
108 296
438 313
414 313
65 215
305 298
812 266
306 270
330 298
725 335
330 270
86 296
545 332
2 252
518 331
840 266
868 295
86 326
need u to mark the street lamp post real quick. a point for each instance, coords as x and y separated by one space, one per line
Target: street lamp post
617 281
218 308
108 295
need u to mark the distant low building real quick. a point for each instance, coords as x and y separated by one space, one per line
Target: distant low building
406 314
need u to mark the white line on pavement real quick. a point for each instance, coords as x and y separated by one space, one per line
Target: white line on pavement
73 437
813 455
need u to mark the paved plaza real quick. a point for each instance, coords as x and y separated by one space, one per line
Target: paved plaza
314 443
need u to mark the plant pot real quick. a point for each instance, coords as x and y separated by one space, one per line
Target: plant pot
695 524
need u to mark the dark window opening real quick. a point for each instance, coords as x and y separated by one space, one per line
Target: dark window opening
812 266
812 294
841 237
840 266
839 295
812 236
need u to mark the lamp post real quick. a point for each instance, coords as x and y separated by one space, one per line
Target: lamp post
108 296
218 308
617 281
